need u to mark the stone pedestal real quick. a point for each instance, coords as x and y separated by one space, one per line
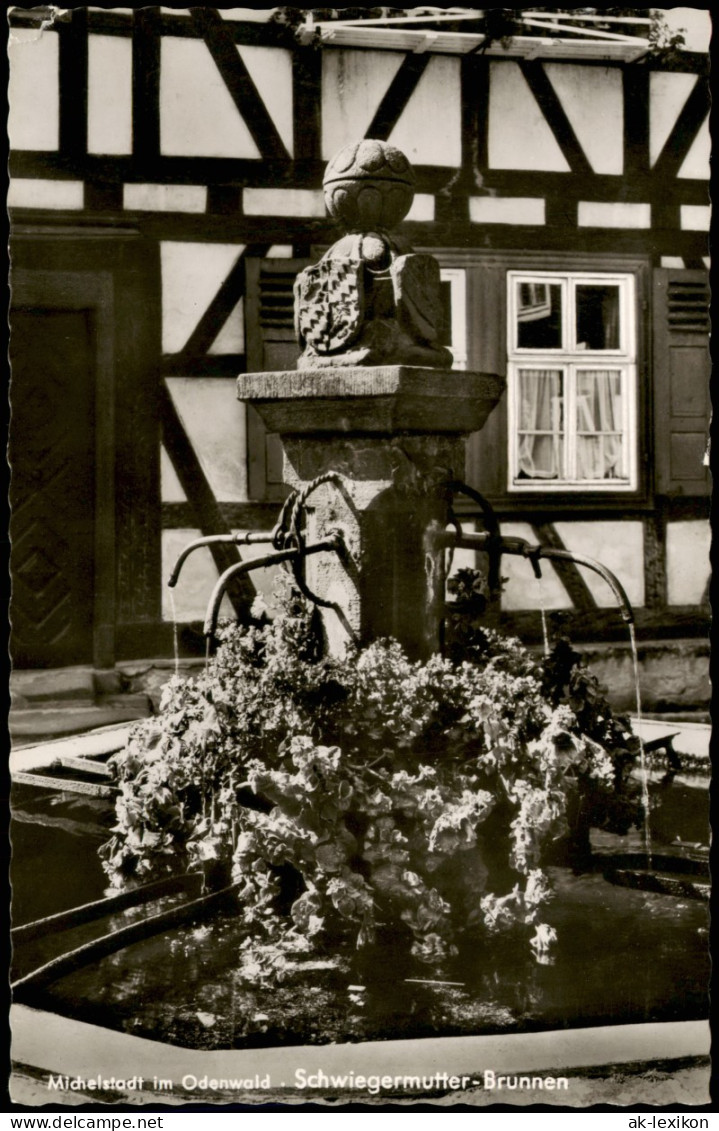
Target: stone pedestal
392 436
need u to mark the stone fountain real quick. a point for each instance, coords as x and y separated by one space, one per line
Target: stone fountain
373 422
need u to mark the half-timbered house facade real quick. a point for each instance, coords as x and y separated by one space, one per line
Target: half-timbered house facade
166 169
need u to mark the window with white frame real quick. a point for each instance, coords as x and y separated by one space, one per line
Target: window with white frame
571 381
453 334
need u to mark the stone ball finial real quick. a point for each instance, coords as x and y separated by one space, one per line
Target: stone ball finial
369 184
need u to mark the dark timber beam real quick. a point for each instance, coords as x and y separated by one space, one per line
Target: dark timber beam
635 88
655 570
238 516
238 81
211 365
568 573
238 172
145 92
208 516
73 86
216 314
307 104
556 117
474 79
684 132
397 95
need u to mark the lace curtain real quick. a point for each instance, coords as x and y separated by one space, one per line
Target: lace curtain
541 420
598 424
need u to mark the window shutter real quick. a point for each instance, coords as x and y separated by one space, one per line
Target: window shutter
271 345
681 381
486 467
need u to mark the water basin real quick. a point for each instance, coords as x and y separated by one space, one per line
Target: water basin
622 956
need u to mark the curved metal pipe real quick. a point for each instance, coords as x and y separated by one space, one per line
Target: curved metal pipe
519 546
612 581
275 558
250 537
457 487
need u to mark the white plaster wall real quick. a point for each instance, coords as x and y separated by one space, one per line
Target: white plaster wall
593 101
688 545
613 214
198 116
109 94
696 163
695 217
34 192
422 207
519 137
247 15
215 423
199 575
617 545
284 202
33 95
170 486
668 91
353 83
192 273
429 130
507 210
522 590
271 71
231 338
164 198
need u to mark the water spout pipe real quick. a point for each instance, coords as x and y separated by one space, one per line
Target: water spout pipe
249 538
487 541
295 553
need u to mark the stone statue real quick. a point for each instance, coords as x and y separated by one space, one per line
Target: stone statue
370 300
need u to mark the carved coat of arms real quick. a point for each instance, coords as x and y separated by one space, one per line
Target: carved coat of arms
416 282
329 304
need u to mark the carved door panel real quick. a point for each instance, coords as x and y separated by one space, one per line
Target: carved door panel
52 494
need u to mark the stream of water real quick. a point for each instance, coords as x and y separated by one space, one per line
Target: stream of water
643 768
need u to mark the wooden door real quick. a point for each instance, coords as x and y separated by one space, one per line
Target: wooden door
52 492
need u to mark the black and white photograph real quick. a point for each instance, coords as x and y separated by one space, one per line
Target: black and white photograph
359 496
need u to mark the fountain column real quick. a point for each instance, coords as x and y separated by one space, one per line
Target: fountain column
376 409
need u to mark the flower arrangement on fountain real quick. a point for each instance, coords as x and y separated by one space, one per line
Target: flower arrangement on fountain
360 798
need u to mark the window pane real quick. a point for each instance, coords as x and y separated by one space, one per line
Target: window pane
541 424
597 316
599 424
539 316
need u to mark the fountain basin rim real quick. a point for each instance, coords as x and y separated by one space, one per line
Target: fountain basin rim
382 399
77 1049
